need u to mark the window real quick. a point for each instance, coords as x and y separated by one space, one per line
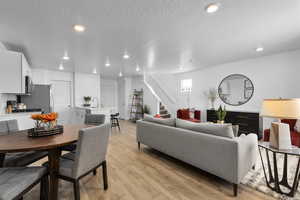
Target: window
186 85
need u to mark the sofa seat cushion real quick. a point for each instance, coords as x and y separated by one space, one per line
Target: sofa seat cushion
163 121
13 181
23 158
223 130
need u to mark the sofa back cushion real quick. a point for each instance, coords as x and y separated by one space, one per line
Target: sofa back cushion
223 130
164 121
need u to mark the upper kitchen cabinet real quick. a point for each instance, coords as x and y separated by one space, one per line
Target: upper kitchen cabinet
14 69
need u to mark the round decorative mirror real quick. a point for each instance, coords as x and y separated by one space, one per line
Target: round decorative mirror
236 89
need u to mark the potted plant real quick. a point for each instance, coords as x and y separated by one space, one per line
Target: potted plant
45 120
221 114
87 100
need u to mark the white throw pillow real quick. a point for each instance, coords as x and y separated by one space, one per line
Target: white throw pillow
297 126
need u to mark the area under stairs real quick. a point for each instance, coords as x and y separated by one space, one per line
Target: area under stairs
163 112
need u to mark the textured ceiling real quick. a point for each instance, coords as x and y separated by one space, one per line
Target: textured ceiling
159 35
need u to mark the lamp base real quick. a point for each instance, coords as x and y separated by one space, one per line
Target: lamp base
280 136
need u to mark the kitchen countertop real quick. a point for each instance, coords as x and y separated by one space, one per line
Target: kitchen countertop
11 115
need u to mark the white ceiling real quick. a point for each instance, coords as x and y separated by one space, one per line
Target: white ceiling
160 35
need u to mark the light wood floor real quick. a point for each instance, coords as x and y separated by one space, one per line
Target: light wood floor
149 175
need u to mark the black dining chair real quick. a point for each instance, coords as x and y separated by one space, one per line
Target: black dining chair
114 120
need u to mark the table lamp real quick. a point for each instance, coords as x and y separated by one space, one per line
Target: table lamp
280 136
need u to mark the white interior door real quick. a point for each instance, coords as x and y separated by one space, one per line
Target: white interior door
62 95
108 96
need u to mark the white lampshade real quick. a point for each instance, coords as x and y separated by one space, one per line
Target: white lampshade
281 108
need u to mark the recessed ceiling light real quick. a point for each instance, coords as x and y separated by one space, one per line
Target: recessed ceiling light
66 57
213 7
259 49
120 74
79 28
61 67
181 68
126 56
95 71
107 64
137 68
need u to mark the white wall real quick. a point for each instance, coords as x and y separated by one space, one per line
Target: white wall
86 85
273 77
83 84
44 76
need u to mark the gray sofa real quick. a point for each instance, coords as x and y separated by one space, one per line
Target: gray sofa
227 158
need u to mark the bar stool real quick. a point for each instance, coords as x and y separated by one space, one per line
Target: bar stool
114 120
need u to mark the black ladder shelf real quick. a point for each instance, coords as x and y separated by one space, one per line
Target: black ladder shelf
136 111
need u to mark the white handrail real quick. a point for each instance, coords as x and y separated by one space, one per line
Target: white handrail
160 93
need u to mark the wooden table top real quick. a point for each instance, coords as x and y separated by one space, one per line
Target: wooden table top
20 142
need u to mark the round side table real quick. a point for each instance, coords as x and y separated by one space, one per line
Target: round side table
272 177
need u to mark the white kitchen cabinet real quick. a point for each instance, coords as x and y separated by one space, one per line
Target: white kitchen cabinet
13 69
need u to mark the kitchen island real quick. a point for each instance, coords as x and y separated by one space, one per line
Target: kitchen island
23 118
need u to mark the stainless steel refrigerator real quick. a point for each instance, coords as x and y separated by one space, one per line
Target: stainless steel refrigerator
41 97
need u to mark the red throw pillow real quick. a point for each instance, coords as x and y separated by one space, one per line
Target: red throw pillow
185 114
157 116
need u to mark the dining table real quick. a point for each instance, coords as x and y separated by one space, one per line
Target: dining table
20 142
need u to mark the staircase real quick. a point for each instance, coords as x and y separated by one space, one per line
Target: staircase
163 111
161 94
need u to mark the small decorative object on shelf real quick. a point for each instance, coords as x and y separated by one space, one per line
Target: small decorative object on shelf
87 101
45 125
221 114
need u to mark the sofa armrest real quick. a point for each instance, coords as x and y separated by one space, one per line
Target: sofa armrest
247 154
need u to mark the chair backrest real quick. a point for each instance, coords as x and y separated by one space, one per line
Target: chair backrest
91 149
114 115
3 128
12 125
8 126
94 119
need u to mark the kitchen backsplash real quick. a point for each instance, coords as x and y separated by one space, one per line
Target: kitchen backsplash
3 99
